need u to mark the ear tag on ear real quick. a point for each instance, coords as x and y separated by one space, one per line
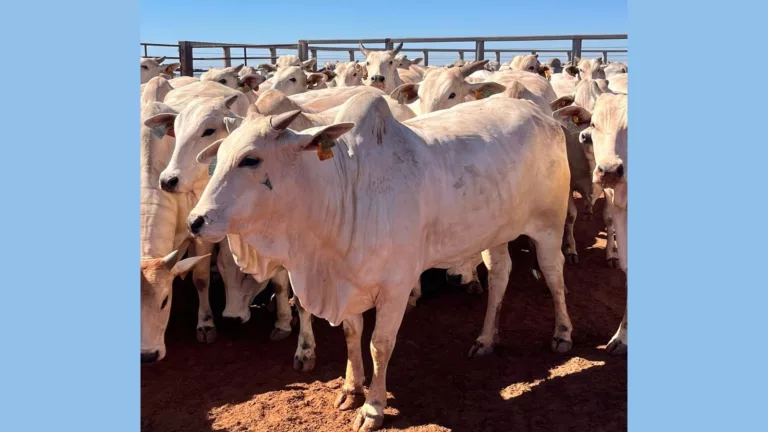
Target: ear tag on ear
212 166
324 149
482 94
575 119
547 73
400 98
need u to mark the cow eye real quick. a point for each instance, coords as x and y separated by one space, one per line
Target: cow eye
452 95
390 62
530 68
252 162
223 81
144 67
208 132
165 303
292 80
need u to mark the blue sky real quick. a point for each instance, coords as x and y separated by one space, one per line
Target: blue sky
237 21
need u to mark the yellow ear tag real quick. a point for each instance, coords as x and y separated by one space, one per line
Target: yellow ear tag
547 73
575 119
324 149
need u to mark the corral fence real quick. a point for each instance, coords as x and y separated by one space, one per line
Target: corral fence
196 57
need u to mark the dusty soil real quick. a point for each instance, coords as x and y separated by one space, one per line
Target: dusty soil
245 382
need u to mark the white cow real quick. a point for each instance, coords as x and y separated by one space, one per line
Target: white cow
380 69
614 68
288 60
608 136
529 63
356 231
348 74
247 83
292 80
152 67
537 84
618 83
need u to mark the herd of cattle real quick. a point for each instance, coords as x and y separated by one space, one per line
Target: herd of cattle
346 184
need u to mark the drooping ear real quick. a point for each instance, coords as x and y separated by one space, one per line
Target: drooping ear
405 93
186 265
229 101
170 68
160 59
397 50
482 90
268 67
314 79
357 65
251 81
571 70
544 71
417 60
329 74
575 114
232 123
321 139
309 64
161 124
208 153
561 102
282 121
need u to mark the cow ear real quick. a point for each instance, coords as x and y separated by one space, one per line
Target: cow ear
268 67
573 114
545 71
251 81
561 102
161 124
484 89
309 64
186 265
329 74
417 60
232 123
170 68
571 70
206 156
229 101
405 93
322 138
314 79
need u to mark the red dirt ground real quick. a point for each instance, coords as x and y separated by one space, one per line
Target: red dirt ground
244 382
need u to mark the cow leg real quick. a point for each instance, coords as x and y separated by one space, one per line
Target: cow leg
352 394
201 277
304 360
389 316
619 343
571 256
415 294
282 285
499 265
551 264
611 252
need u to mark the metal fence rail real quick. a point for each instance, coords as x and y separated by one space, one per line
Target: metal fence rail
306 49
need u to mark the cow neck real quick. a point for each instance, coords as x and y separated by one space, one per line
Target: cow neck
158 208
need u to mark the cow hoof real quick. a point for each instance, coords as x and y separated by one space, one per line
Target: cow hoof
304 363
279 334
480 349
346 401
474 287
572 258
560 345
369 418
206 334
613 263
616 347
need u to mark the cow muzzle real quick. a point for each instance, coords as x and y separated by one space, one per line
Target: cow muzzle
608 175
169 183
150 356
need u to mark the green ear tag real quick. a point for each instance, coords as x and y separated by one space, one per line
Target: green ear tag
487 92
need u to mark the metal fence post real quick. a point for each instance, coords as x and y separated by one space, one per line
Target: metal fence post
185 58
314 56
605 57
479 50
145 51
461 55
273 55
426 58
302 45
227 57
576 48
498 57
387 44
351 55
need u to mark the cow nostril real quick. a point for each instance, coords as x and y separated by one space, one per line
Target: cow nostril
620 170
173 181
196 225
150 357
169 184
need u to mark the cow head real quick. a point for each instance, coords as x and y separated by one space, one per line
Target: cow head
197 126
529 63
554 65
446 88
293 80
608 133
232 78
152 67
255 174
613 68
590 68
381 68
349 74
157 276
403 62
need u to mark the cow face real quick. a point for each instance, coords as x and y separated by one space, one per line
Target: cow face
232 78
195 128
349 74
612 69
151 67
403 62
381 69
446 88
255 178
293 80
529 63
156 296
608 133
591 68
